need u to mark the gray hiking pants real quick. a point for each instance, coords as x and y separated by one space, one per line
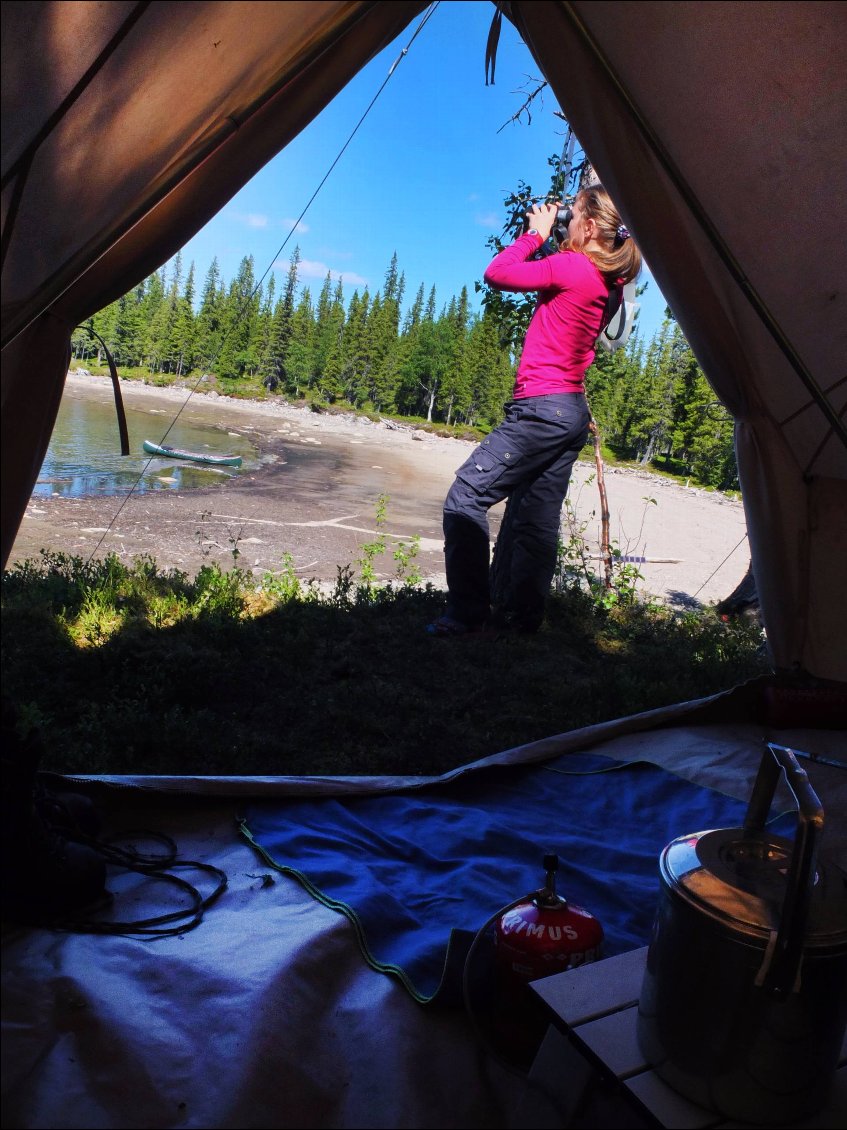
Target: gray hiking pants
528 459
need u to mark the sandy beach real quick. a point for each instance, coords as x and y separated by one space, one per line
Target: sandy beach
310 496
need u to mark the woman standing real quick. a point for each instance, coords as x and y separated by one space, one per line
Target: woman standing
529 457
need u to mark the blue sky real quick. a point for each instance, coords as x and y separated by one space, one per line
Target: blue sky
424 176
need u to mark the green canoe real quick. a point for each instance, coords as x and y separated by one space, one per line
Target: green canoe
197 456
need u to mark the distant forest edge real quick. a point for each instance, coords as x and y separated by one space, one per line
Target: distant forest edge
448 366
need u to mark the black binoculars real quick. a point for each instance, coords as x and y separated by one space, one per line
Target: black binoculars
564 215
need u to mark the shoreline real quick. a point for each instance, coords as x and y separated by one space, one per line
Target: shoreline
80 380
312 494
320 508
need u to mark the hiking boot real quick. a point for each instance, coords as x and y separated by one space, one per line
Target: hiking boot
515 623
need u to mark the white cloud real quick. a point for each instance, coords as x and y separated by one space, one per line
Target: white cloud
253 219
489 220
261 220
313 269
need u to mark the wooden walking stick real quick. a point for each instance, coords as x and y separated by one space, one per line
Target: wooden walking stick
605 544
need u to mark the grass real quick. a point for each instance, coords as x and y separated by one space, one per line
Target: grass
133 669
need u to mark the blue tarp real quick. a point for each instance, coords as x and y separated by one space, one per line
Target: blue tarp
412 868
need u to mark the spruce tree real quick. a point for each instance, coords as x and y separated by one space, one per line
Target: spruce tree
265 329
455 394
183 329
156 321
490 375
209 326
702 431
323 333
424 366
357 355
384 325
272 365
238 354
330 335
298 362
127 331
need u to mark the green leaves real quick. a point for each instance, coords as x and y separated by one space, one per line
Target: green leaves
447 366
127 668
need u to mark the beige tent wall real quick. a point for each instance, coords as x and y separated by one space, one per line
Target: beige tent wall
719 129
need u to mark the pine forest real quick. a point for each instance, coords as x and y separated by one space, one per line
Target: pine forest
416 360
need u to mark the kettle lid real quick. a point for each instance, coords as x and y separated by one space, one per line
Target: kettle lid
741 881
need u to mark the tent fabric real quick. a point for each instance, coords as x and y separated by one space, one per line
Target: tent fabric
719 128
266 1014
174 119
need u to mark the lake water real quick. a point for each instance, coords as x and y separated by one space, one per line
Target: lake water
84 458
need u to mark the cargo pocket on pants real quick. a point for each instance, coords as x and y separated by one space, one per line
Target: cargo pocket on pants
487 463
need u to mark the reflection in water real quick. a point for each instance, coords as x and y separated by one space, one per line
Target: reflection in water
122 482
84 458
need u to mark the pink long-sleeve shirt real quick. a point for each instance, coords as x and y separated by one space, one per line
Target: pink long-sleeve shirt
569 315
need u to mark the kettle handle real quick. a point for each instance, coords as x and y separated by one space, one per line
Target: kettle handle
784 953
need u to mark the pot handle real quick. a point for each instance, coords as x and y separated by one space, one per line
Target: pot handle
780 969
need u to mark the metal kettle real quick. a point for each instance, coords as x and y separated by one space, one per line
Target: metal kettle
743 1006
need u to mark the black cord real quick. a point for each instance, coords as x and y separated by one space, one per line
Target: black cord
478 1028
158 867
719 566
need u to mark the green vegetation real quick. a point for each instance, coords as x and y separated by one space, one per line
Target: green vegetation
130 669
442 365
446 367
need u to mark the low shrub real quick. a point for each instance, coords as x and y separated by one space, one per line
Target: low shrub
132 669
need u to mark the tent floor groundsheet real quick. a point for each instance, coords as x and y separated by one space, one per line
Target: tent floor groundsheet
266 1013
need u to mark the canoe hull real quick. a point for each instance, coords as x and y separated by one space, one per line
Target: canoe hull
194 456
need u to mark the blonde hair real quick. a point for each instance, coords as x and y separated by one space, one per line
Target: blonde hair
620 258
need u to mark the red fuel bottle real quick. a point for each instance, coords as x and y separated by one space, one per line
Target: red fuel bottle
542 935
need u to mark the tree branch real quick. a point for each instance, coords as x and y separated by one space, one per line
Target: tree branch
525 108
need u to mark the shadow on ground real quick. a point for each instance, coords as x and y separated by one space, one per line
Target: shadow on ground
349 684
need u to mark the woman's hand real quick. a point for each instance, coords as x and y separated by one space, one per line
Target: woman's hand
542 217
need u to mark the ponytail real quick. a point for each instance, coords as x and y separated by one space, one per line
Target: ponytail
620 258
